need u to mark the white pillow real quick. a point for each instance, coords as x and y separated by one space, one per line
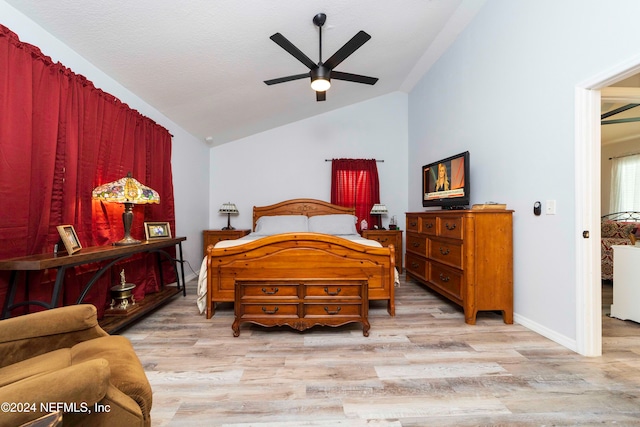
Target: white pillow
339 224
269 225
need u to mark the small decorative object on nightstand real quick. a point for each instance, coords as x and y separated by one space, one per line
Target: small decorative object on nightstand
228 208
211 237
386 238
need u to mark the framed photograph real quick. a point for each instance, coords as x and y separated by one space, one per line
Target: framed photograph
157 230
69 238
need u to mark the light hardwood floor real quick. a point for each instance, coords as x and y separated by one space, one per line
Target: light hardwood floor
424 367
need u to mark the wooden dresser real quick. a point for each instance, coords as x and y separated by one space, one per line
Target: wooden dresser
301 305
465 256
211 237
386 238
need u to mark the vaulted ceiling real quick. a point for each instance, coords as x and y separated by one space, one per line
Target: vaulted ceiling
203 63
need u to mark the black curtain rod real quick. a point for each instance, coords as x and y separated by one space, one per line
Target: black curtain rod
624 155
330 160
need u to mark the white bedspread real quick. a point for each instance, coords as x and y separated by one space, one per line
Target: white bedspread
202 278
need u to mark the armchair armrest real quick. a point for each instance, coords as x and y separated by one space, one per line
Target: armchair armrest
37 333
79 386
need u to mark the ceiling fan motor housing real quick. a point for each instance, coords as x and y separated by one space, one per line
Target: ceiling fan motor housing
321 72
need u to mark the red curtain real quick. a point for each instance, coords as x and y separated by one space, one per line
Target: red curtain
354 184
60 137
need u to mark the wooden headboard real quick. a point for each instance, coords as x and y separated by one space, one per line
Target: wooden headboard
308 207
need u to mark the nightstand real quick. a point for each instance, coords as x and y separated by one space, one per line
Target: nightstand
211 237
386 238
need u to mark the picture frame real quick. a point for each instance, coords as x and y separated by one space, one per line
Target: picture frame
157 230
69 238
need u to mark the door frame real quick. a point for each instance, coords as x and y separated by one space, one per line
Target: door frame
588 97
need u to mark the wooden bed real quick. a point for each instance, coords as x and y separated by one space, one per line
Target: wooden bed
293 258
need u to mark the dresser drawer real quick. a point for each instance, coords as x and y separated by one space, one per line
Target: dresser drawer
447 279
417 244
268 309
333 291
338 310
429 225
272 291
450 227
413 223
446 252
416 265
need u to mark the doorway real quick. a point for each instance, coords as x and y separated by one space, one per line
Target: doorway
588 98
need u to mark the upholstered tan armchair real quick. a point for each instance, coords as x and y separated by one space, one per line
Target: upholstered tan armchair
61 360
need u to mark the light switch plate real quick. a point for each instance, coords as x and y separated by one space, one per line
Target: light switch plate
550 207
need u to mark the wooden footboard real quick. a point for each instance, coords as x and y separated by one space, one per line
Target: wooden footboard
300 257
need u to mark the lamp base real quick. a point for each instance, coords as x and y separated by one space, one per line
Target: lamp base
128 240
228 228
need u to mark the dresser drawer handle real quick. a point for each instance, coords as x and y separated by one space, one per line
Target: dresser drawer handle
428 225
450 227
273 292
328 292
381 239
332 312
444 278
266 311
413 223
444 251
415 265
416 244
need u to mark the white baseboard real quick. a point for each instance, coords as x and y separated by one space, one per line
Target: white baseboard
546 332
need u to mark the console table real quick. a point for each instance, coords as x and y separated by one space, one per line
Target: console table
111 254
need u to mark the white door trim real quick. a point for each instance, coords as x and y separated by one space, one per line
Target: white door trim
587 175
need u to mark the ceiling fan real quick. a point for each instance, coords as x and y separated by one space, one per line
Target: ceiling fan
322 72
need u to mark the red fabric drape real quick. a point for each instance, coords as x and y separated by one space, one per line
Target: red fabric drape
354 184
60 137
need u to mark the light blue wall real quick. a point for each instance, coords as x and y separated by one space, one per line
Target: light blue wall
505 92
289 161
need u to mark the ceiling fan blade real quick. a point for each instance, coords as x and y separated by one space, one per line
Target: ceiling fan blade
346 50
286 79
321 96
294 51
357 78
618 110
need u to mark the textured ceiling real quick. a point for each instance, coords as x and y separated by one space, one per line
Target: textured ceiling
202 63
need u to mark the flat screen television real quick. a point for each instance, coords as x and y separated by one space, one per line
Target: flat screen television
445 183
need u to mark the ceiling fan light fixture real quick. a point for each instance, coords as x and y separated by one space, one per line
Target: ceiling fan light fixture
320 85
320 79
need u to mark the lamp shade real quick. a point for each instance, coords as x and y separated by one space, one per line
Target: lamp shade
126 190
130 192
228 208
378 209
